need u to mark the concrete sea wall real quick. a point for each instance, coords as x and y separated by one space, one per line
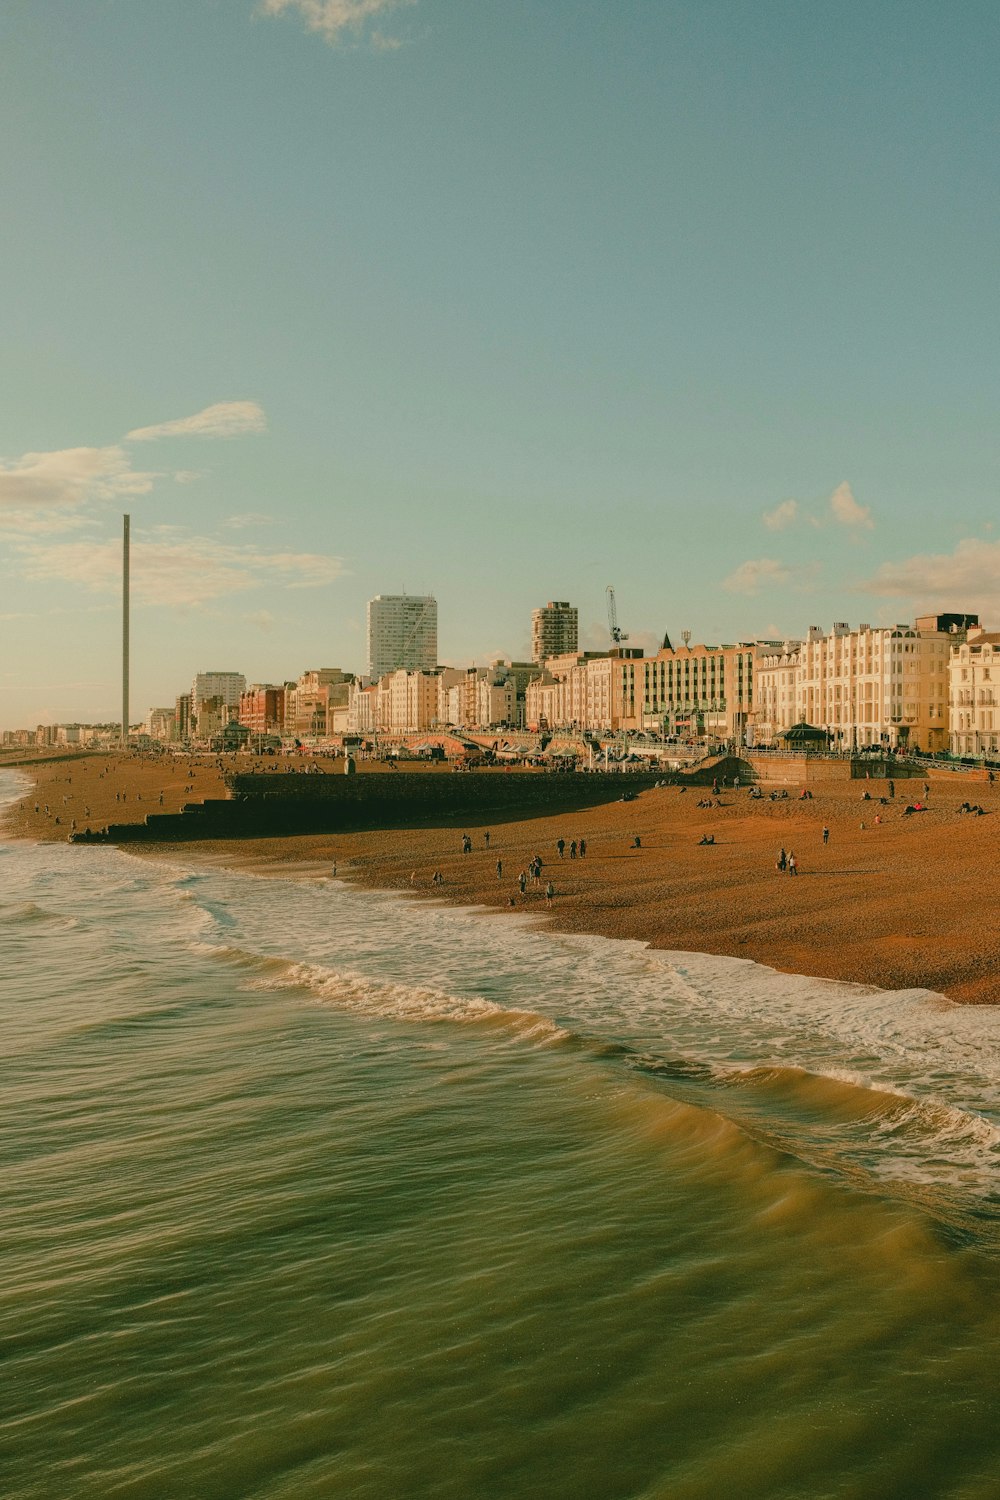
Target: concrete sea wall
272 805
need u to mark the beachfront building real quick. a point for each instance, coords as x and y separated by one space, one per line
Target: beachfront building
775 699
213 716
225 685
402 634
595 690
700 692
482 698
362 708
161 724
974 700
554 630
318 693
182 718
407 702
262 709
886 686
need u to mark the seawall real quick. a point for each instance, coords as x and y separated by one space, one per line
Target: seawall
275 805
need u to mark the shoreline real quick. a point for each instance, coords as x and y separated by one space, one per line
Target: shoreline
896 905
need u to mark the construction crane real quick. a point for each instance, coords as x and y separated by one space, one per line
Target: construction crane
617 634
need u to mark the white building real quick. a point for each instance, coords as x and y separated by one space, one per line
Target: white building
407 702
402 634
228 687
161 724
974 670
554 630
885 686
775 695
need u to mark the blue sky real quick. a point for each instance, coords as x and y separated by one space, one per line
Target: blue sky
498 301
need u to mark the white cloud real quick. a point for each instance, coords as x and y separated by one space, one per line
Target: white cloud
247 518
967 579
846 510
69 477
785 514
759 573
42 522
166 570
336 19
224 419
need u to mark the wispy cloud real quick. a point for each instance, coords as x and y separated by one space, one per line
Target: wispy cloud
168 570
966 579
757 574
247 518
846 511
261 619
781 516
14 523
336 20
224 419
69 477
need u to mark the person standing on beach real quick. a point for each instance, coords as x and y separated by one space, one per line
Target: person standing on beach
793 864
826 834
583 848
486 838
892 789
550 891
522 881
782 860
499 869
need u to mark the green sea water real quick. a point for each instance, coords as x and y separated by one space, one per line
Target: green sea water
315 1193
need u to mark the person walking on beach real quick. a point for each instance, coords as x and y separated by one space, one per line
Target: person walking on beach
550 891
583 848
560 845
572 848
437 878
892 789
499 869
522 881
466 844
782 860
793 864
826 834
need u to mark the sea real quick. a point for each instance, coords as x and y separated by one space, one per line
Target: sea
315 1193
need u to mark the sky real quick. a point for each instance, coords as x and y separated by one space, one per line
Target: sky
502 302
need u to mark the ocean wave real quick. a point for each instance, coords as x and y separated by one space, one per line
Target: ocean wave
25 913
386 998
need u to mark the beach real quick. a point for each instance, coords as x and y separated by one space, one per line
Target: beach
891 900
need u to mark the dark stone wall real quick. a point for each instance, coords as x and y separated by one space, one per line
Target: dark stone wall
272 805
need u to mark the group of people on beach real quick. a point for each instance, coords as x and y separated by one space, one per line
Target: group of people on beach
787 863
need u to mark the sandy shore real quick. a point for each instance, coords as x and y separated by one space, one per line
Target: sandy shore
896 904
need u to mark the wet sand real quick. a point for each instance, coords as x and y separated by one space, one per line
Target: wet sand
899 904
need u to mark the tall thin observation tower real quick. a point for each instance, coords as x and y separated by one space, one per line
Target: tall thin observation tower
125 580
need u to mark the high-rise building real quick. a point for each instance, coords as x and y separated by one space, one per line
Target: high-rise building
402 634
554 630
182 717
228 686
